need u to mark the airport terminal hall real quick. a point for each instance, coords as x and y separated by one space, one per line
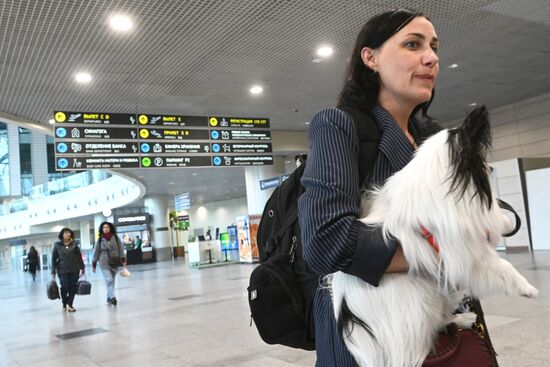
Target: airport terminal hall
306 183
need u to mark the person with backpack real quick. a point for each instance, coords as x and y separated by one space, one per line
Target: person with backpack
387 92
68 264
109 253
32 262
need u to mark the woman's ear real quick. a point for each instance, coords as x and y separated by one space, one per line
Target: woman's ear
368 55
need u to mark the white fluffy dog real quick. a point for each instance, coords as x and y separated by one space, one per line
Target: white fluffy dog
445 189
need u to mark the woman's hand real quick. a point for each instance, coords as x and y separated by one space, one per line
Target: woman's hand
398 263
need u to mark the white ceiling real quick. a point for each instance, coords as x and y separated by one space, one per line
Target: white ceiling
201 57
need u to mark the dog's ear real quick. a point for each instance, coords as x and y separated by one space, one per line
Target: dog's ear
468 146
475 132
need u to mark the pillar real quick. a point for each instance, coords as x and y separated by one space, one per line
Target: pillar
14 163
157 207
39 159
85 240
98 219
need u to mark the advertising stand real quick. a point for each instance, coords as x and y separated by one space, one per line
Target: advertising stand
247 229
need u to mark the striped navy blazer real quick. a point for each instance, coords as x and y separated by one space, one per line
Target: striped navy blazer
333 240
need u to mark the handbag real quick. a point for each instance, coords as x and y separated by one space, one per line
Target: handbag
114 261
52 290
461 347
125 272
83 287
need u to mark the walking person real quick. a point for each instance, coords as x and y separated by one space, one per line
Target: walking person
32 262
68 264
109 253
390 80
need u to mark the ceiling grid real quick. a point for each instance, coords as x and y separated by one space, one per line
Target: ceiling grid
200 57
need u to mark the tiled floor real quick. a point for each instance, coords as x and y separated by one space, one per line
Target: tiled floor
170 315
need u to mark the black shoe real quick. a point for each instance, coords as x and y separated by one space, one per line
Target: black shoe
113 301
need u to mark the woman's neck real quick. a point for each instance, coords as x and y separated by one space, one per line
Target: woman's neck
66 242
400 110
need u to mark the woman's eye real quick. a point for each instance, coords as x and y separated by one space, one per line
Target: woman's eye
435 48
412 44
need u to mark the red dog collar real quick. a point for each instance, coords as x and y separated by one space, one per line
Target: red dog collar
430 238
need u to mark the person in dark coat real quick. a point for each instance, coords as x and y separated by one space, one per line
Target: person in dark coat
68 264
32 262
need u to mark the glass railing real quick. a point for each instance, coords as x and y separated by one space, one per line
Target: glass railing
64 184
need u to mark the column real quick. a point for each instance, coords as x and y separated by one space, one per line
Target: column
14 161
158 206
98 219
39 158
255 196
85 240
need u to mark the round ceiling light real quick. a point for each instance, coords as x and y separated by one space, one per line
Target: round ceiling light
256 89
324 51
83 77
120 22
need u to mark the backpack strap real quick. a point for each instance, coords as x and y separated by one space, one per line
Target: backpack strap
368 137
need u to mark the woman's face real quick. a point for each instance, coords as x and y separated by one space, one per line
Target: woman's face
407 64
67 236
106 228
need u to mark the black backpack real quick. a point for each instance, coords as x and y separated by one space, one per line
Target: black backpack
282 287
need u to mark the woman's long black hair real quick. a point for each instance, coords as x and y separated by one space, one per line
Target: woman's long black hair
362 84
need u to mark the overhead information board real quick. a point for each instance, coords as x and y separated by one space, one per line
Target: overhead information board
92 140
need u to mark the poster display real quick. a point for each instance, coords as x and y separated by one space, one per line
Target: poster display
247 229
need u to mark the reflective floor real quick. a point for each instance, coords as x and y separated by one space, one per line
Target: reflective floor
171 315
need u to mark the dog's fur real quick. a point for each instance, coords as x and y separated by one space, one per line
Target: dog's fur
445 188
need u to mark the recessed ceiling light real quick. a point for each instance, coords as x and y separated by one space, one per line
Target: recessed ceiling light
120 22
51 121
316 60
83 77
324 51
307 122
453 66
194 173
170 183
256 89
473 104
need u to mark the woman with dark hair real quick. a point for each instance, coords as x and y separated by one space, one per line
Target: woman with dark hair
32 262
68 264
390 81
109 253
